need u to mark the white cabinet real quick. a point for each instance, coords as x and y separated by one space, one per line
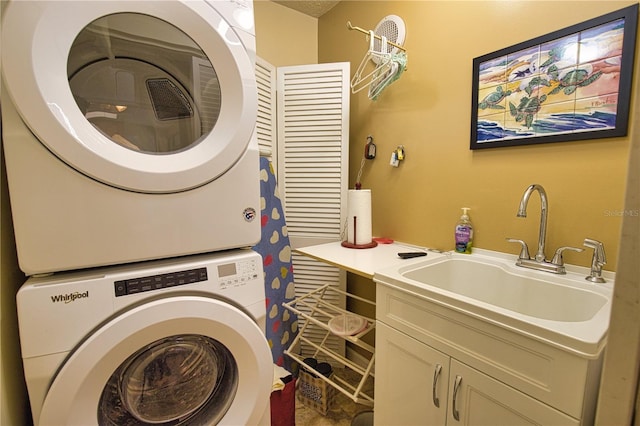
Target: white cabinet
477 399
437 366
418 385
411 380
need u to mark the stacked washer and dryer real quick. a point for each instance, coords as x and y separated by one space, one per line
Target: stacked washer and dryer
128 131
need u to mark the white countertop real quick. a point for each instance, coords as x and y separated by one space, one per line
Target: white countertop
361 261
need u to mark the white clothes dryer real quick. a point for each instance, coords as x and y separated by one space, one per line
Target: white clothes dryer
128 129
168 342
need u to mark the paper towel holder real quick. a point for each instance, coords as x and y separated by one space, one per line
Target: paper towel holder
347 244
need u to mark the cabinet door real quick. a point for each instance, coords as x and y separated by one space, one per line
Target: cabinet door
477 399
411 381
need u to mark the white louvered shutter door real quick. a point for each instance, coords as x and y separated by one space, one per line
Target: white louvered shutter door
313 146
266 123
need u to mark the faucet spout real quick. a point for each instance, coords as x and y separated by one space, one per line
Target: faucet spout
522 212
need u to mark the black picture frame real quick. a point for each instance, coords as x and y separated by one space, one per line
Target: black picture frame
521 95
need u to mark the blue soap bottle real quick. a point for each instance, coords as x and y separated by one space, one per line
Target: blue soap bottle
464 233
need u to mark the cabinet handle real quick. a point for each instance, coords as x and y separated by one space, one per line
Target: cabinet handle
436 376
456 387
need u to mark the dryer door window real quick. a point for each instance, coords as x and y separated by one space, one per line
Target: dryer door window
156 95
147 97
187 379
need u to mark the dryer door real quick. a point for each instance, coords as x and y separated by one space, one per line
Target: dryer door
186 359
144 96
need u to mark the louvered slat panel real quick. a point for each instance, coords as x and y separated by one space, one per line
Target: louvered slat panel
265 125
310 167
313 107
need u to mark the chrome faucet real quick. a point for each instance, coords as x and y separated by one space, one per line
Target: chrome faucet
522 212
539 262
597 262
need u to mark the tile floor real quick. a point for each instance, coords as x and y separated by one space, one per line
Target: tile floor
341 410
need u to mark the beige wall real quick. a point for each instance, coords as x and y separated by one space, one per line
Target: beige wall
428 111
283 36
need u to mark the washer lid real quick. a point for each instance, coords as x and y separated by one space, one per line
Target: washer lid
147 335
115 54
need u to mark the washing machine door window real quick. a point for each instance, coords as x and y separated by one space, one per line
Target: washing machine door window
146 98
153 91
176 380
177 360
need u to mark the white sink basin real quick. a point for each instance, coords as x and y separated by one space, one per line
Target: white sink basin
563 309
537 297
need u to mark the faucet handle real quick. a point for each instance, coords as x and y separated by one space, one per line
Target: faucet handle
558 259
524 251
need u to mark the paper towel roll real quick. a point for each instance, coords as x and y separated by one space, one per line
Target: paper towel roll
359 207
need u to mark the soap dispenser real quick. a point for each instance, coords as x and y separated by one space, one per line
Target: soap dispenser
464 233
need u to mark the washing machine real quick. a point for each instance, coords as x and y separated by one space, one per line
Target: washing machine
166 342
128 130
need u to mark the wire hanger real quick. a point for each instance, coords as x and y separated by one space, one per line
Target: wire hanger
390 58
383 78
360 80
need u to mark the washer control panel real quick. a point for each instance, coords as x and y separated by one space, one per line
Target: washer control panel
238 273
160 281
222 275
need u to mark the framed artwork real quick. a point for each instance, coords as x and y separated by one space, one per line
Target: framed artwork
572 84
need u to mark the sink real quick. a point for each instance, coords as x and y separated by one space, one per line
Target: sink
565 310
496 285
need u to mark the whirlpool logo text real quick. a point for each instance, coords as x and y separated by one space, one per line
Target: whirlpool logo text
69 297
